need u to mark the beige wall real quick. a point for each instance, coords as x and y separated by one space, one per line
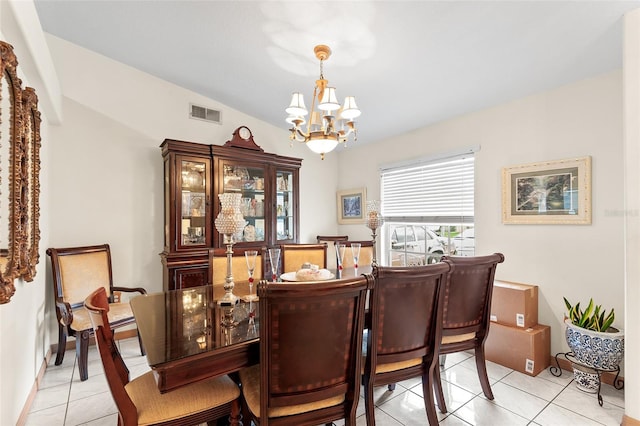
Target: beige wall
584 118
632 206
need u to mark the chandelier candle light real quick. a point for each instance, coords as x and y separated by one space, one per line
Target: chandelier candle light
374 221
229 222
322 134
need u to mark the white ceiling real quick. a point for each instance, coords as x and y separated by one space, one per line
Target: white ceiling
408 63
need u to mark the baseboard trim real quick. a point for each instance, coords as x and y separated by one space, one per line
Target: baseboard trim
565 364
53 349
22 419
629 421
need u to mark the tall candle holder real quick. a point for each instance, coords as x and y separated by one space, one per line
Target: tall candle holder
229 222
374 221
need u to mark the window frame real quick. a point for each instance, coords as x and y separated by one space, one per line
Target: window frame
440 222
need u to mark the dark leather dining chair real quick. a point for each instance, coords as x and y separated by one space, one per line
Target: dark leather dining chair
139 402
310 353
466 311
77 271
405 330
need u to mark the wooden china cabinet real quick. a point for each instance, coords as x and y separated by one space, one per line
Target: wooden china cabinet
194 175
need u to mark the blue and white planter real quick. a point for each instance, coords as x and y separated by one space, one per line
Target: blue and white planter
594 349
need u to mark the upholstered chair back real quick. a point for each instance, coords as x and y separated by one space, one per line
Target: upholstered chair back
82 273
366 253
295 255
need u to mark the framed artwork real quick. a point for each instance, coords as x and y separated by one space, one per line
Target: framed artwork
351 205
550 192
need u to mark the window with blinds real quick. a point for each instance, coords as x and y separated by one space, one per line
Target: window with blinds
428 209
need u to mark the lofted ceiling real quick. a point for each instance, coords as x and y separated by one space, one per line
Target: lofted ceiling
408 63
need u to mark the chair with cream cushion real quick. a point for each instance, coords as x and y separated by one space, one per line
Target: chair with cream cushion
294 255
139 402
331 241
466 312
366 253
218 270
77 271
404 334
310 353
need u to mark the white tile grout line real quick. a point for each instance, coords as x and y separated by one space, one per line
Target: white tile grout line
73 372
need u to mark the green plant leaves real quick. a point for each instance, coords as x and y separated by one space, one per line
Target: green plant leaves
592 318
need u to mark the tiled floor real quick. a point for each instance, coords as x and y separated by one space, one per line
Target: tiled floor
519 399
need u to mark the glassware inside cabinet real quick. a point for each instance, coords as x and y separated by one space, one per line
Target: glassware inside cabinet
249 181
284 205
193 184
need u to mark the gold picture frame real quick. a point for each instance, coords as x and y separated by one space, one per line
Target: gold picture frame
351 205
549 192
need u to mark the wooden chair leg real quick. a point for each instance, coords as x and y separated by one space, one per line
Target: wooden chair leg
235 417
82 352
429 402
437 385
246 417
143 352
62 344
369 406
481 365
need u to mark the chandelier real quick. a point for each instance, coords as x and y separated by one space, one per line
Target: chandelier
324 132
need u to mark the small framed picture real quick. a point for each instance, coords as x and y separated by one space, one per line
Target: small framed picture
550 192
351 205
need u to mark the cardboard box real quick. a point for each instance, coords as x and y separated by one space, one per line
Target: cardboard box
514 304
526 350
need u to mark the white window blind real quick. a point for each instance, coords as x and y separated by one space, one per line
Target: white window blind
435 191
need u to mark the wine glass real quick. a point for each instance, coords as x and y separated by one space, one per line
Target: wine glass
274 258
339 256
250 257
355 251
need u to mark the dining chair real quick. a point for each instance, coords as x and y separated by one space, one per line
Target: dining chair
77 271
466 311
295 255
366 253
331 241
310 353
405 330
331 238
239 270
139 402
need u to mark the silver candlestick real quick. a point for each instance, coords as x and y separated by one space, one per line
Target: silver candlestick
374 221
229 222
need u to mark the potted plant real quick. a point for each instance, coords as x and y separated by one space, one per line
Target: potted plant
595 343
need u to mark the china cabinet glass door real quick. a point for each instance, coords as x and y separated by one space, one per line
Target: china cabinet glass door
192 202
250 182
285 206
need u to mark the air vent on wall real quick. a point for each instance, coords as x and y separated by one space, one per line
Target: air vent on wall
203 113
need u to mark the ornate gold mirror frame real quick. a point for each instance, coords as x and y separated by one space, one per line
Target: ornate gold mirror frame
19 176
30 194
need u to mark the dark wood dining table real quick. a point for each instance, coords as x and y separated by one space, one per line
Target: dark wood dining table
189 337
